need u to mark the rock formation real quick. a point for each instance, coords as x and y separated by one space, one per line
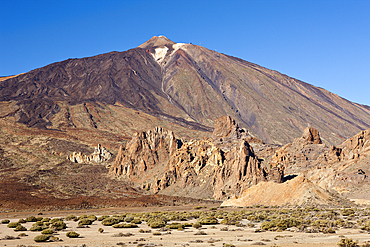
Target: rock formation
199 168
300 155
99 155
145 151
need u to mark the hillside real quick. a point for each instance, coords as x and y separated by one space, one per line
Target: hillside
184 84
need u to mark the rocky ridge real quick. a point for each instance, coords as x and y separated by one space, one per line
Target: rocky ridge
215 168
175 84
99 155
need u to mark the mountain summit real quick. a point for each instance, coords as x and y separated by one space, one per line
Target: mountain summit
176 83
157 41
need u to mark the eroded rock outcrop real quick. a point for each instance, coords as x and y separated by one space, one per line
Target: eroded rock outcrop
300 155
99 155
145 151
199 168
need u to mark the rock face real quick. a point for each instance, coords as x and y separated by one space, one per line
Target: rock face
99 155
300 155
199 168
144 152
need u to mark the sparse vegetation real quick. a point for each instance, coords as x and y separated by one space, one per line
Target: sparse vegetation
41 238
72 234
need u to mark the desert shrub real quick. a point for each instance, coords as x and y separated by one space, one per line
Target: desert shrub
36 228
5 221
38 223
39 218
13 224
128 218
175 225
347 242
157 224
58 225
208 220
31 219
45 219
85 221
47 231
229 221
92 218
84 216
70 217
348 212
136 221
20 228
366 226
280 224
22 221
72 234
328 230
101 230
101 218
145 231
55 220
157 233
110 221
41 238
125 225
197 225
22 234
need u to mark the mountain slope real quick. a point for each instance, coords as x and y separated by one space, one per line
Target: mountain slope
187 85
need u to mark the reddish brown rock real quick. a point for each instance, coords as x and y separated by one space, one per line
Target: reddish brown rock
145 151
160 163
311 135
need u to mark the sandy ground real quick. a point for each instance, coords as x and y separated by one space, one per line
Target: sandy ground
238 236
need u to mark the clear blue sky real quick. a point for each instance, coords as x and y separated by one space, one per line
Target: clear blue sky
324 43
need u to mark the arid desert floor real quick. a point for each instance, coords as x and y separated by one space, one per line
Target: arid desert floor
221 234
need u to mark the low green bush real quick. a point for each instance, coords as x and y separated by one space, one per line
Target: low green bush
45 220
13 224
70 217
20 228
101 218
85 221
72 234
347 242
5 221
41 238
209 220
110 221
47 231
125 225
31 219
36 228
22 221
58 225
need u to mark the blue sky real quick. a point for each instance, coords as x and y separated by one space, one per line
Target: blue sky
324 43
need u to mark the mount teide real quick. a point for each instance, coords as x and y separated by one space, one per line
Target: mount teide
179 86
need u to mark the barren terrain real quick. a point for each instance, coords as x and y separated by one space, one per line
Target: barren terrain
248 231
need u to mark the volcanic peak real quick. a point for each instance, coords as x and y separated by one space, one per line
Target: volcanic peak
155 41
